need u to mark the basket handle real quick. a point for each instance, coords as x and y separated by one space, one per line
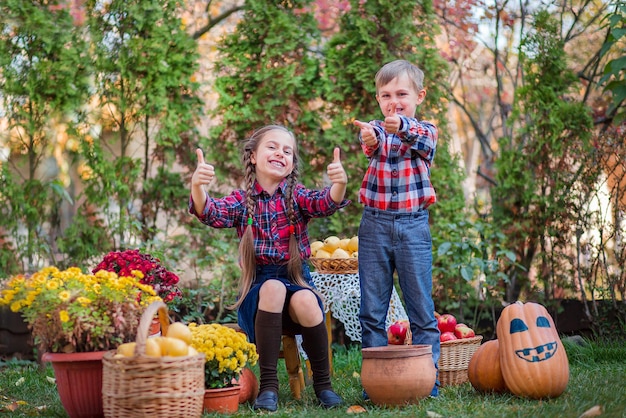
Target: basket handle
144 324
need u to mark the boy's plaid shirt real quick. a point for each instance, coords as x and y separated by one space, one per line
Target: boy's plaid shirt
398 176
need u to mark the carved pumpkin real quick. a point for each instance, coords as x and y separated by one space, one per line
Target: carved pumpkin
533 360
484 371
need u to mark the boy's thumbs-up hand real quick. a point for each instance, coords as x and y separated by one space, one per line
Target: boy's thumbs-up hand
368 136
335 170
204 174
392 120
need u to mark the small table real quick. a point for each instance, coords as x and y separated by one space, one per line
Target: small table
342 294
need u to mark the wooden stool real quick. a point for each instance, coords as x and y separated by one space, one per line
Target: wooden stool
293 365
291 354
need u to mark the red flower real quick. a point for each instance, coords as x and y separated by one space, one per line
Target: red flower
124 262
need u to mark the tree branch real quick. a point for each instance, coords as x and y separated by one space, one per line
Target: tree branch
215 21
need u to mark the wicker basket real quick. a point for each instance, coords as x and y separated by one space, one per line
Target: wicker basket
454 360
335 265
142 386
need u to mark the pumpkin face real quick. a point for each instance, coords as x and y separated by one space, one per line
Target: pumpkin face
484 371
533 360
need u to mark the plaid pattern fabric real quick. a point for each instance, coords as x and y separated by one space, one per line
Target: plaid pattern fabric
270 223
398 176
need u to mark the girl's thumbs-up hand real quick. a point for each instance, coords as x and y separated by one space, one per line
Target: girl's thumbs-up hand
204 174
335 171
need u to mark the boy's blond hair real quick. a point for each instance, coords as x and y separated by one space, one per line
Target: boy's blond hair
395 69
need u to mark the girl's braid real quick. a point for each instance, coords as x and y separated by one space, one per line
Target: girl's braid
295 260
246 245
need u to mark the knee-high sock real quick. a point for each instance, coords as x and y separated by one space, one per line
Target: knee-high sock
315 343
268 328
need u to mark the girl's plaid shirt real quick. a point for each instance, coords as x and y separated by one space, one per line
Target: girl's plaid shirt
270 223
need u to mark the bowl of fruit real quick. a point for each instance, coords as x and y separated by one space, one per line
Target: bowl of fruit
334 255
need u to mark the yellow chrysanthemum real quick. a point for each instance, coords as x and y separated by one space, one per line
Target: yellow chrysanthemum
64 316
52 284
100 303
138 273
150 299
226 351
7 296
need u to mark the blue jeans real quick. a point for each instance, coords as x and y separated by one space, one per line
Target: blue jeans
402 242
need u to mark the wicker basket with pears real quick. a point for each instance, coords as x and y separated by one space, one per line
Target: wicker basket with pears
335 255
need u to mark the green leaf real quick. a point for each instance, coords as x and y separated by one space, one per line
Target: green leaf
443 248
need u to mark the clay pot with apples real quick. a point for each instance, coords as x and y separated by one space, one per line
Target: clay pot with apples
398 374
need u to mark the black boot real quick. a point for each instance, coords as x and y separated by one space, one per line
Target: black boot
268 331
315 343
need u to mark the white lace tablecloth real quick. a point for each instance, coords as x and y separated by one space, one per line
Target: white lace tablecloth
342 294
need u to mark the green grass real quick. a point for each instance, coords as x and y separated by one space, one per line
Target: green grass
597 377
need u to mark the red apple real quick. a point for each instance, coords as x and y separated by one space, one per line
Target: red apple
396 334
464 332
447 336
446 323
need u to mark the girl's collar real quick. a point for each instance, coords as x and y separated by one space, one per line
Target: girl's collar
257 189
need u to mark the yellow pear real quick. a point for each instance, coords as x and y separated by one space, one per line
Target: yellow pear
328 248
172 346
126 349
353 244
322 254
316 245
343 244
192 351
180 331
331 243
153 349
355 254
339 253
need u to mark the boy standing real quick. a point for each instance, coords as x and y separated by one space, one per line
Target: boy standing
394 234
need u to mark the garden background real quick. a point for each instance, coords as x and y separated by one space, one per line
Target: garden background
102 104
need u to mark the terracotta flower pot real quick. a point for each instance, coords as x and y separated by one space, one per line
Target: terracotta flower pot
249 386
79 382
155 327
398 374
222 400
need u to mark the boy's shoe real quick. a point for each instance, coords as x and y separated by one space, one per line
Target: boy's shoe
329 399
267 400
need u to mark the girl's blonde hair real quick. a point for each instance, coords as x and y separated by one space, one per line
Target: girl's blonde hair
247 251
